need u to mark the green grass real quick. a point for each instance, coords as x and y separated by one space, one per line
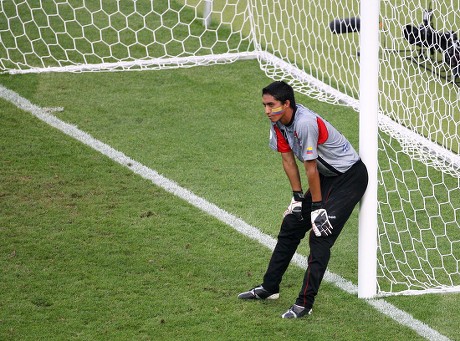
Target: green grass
188 125
91 251
142 133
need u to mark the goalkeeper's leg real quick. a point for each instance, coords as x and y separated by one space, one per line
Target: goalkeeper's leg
292 231
320 253
345 192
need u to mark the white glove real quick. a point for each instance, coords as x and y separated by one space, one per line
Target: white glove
320 223
295 207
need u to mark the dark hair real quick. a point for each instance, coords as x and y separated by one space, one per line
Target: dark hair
281 91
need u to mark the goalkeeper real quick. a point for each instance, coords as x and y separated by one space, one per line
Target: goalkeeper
337 179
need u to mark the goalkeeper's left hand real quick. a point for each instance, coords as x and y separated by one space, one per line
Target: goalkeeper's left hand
320 221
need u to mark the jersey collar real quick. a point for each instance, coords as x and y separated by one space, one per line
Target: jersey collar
292 118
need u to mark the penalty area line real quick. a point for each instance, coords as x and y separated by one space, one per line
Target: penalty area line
236 223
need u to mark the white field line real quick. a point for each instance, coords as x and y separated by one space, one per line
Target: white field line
236 223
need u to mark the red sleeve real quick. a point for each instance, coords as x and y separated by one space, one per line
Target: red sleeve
282 144
323 134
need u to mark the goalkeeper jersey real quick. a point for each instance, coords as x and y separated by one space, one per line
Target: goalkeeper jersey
311 137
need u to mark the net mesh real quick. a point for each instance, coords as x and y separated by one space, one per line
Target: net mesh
87 35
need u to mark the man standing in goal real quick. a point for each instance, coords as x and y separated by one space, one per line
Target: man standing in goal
337 179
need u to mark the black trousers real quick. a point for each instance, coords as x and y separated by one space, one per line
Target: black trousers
340 195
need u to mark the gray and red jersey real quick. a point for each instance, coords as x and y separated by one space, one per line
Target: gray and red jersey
311 137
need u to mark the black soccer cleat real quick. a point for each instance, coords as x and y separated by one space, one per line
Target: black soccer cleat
296 311
259 293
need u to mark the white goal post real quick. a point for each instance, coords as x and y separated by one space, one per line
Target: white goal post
368 146
397 64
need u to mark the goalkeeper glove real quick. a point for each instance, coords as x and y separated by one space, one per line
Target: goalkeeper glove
295 207
320 221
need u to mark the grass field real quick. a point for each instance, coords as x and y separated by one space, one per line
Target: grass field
92 251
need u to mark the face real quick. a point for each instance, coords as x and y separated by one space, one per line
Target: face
274 109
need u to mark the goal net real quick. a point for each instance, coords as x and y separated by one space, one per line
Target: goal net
94 35
314 45
419 166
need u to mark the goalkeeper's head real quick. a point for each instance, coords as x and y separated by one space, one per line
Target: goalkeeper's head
282 92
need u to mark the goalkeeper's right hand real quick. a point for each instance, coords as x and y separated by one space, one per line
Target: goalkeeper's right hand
295 207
